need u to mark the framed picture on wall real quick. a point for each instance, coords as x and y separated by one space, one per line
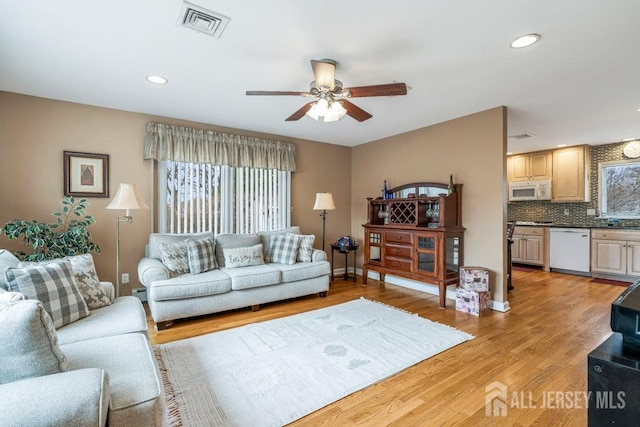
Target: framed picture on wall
86 174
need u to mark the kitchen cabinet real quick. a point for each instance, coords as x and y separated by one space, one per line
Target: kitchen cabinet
529 166
530 246
615 252
418 237
570 174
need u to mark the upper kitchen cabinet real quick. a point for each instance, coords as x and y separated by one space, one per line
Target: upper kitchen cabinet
529 166
570 176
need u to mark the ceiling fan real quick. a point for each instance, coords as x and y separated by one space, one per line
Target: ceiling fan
331 104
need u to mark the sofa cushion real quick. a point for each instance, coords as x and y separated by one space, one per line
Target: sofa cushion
305 250
54 285
243 257
135 386
201 253
7 259
175 257
303 270
253 277
124 316
190 286
230 241
28 342
284 248
86 276
157 238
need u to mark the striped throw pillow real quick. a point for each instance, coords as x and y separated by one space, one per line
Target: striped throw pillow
54 285
201 253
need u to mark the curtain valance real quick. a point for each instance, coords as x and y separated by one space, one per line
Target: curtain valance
183 144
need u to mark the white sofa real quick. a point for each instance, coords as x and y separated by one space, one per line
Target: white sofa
221 289
111 376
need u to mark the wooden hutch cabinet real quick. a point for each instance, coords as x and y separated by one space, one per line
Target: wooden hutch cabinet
416 232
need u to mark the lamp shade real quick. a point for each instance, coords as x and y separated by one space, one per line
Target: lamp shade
324 201
127 198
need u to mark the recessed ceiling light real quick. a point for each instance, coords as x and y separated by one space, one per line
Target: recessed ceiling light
159 80
524 41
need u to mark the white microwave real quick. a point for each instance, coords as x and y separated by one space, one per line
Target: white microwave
530 190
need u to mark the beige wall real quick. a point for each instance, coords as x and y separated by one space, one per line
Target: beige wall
473 149
34 132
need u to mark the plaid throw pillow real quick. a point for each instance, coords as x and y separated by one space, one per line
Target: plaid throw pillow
284 248
175 257
86 276
201 255
54 285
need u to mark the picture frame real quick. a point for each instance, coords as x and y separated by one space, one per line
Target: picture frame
86 174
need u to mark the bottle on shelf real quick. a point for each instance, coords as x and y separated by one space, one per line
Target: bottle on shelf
452 188
384 190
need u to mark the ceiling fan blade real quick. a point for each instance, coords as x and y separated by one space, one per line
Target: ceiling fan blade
354 111
324 73
300 113
390 89
275 92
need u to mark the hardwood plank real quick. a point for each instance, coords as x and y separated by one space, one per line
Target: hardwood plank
537 348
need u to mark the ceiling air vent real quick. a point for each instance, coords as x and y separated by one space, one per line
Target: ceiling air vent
521 136
202 20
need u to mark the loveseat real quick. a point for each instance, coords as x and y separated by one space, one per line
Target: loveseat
240 270
95 371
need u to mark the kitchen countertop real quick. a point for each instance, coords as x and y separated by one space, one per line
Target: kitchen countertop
562 225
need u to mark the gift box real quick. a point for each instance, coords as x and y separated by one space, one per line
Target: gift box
474 279
472 302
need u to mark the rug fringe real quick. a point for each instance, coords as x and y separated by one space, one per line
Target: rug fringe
171 406
414 314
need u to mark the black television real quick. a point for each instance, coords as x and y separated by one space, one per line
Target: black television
625 318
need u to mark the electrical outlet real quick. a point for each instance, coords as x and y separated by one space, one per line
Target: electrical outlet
125 278
566 212
591 212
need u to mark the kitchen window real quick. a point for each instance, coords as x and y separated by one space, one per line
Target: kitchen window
619 192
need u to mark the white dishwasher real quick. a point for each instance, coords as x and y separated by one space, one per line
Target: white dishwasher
569 250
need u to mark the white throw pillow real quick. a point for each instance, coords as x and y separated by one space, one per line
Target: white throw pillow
54 285
28 342
201 254
305 250
175 257
243 257
284 248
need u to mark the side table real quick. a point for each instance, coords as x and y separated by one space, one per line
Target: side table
345 249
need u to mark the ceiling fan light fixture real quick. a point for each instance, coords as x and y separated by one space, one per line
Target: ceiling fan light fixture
335 113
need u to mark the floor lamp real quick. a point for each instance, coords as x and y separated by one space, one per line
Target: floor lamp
324 203
126 198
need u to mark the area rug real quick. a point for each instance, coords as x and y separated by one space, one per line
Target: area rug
272 373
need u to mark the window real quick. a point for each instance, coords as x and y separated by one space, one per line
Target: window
619 195
201 197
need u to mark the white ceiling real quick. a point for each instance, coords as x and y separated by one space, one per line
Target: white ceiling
579 85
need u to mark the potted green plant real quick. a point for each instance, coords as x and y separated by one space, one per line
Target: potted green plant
69 235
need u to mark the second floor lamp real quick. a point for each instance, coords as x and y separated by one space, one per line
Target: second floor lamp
324 203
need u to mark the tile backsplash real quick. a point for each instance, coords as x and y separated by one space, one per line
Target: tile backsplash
555 212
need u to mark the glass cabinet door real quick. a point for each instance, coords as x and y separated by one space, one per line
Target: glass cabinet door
375 246
452 254
426 253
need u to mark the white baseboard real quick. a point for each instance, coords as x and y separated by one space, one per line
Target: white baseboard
430 288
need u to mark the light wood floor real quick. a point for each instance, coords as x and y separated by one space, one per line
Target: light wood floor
538 348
